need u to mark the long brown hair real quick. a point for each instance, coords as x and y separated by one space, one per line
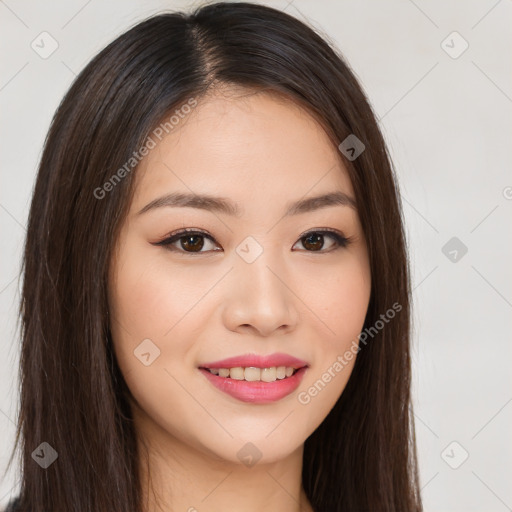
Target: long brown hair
73 396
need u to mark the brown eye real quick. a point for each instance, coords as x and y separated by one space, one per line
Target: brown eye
314 241
187 241
193 243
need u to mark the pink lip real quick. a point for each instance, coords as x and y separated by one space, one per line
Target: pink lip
278 359
256 392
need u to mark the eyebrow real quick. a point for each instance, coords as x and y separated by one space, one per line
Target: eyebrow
223 205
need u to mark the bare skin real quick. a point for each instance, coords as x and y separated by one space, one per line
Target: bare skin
306 299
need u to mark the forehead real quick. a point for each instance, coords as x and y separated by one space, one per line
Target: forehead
255 147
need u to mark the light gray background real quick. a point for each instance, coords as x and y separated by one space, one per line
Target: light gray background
448 124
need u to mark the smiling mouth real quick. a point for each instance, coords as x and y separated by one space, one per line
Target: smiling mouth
256 385
254 374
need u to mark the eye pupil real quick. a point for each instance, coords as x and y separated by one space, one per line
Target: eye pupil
314 241
188 242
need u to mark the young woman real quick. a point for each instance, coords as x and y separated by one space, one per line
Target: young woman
216 292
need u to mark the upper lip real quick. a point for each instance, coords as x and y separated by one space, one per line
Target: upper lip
257 361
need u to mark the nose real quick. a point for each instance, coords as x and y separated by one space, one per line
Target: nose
259 296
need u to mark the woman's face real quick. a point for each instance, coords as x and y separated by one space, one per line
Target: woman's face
267 280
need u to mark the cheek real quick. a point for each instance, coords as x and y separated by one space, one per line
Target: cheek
149 298
340 299
346 310
153 328
339 295
156 309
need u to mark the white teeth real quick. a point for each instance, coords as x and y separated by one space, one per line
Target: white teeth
269 374
252 374
237 373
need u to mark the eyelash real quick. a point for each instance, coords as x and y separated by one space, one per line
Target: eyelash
341 241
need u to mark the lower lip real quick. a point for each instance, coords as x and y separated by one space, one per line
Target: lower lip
256 392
